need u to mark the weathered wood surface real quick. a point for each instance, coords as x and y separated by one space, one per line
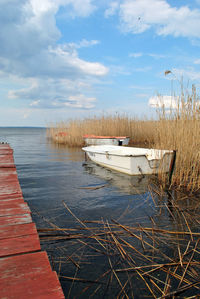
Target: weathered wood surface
4 145
25 271
28 276
15 209
19 245
33 286
11 200
15 219
17 230
19 265
9 187
7 160
11 196
6 151
8 172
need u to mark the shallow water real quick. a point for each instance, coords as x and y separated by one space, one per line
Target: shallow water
49 174
53 177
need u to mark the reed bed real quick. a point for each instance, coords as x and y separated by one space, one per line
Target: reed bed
141 132
113 259
177 128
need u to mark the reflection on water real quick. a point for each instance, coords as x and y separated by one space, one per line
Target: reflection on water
125 183
50 175
60 152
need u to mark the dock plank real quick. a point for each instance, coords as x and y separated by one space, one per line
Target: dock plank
6 204
15 219
9 188
8 171
14 267
4 145
17 230
32 286
15 203
13 195
6 151
9 178
19 245
7 175
16 209
25 270
7 161
11 200
28 276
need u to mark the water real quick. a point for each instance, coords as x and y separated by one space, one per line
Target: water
49 175
55 178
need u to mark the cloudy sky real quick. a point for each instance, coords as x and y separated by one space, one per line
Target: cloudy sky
62 59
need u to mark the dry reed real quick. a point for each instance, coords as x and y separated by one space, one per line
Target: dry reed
179 129
176 129
131 261
71 132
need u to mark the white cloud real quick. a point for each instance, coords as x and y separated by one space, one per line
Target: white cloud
113 7
77 101
168 102
186 74
35 103
30 51
81 101
135 55
83 8
137 16
157 56
69 62
139 54
143 69
53 93
197 61
141 95
75 8
84 44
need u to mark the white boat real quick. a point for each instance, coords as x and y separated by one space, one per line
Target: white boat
106 140
130 160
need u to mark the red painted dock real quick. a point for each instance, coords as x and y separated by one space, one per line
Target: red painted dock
25 271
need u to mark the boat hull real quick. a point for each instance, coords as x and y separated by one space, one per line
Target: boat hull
103 140
130 162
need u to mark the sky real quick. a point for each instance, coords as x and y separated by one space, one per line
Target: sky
72 59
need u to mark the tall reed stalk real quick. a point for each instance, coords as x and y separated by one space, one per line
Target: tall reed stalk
175 129
141 132
179 129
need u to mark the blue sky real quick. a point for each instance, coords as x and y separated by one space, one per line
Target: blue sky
63 59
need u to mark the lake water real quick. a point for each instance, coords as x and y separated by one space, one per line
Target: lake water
53 178
49 174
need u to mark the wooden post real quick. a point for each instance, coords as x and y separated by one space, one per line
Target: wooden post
172 166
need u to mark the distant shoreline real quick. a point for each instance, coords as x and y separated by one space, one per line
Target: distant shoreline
23 127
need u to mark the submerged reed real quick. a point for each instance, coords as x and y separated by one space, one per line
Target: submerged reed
123 259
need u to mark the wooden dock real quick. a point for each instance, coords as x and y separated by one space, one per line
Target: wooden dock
25 271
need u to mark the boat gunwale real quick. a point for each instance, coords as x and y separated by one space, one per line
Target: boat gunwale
134 156
105 137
